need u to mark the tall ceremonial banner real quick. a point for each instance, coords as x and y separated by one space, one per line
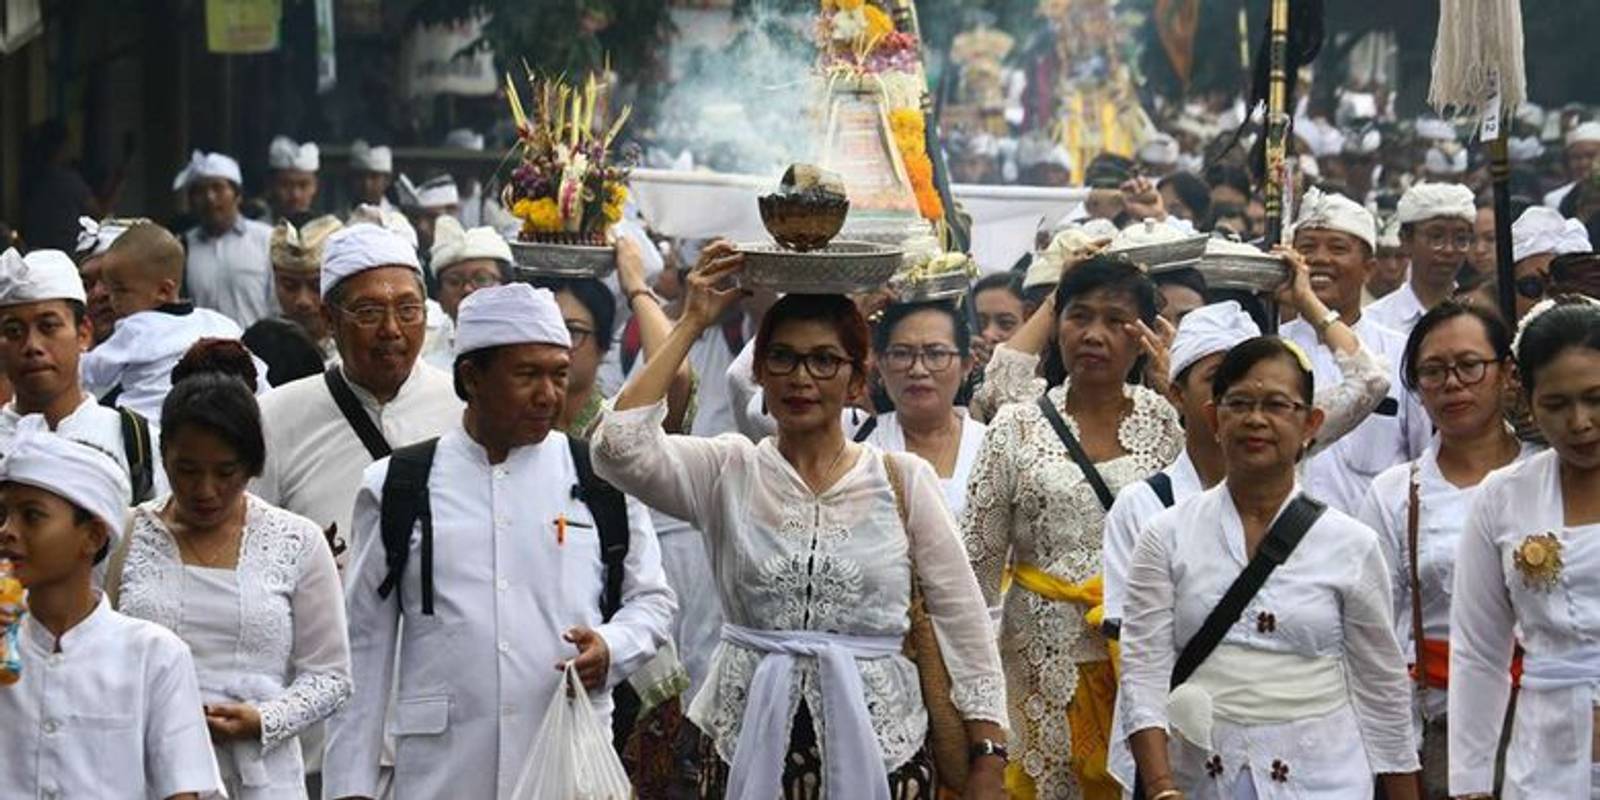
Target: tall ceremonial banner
242 27
1176 24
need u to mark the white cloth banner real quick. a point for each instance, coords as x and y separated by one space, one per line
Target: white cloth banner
429 62
699 205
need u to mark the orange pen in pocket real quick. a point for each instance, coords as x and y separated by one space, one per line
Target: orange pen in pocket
561 530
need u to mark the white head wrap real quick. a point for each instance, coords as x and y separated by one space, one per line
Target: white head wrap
453 244
1160 150
96 237
1357 105
1363 143
1436 130
1522 149
1543 230
464 138
366 158
515 313
300 249
1531 114
384 218
1433 200
361 247
1215 328
1584 132
1033 151
40 275
80 473
1068 246
436 192
284 153
1389 235
207 165
1438 162
1335 212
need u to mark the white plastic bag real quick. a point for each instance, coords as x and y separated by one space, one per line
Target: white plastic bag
571 757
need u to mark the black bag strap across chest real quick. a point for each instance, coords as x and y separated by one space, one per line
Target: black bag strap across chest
1161 484
405 504
139 451
345 398
1074 449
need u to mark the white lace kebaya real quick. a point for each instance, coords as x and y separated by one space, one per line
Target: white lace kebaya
288 655
787 559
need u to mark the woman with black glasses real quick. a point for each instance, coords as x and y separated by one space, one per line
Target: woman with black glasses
1458 361
924 350
816 543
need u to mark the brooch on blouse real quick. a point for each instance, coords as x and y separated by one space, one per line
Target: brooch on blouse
1538 558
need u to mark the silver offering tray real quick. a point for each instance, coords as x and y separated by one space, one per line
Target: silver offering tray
550 260
1167 255
944 286
1263 274
839 268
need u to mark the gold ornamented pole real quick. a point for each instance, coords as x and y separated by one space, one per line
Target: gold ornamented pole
1277 120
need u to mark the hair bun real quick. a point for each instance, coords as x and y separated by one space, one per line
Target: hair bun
217 356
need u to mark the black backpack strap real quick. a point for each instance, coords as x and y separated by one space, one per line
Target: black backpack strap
609 508
1281 540
1161 484
109 399
865 431
1075 450
136 448
371 438
404 503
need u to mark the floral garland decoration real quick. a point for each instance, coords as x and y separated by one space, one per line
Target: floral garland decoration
567 184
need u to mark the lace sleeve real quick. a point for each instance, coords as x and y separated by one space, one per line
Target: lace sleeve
321 651
986 524
1364 384
675 475
960 618
1011 377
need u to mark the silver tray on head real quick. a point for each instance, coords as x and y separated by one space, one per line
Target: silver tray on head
1167 255
546 260
839 268
944 286
1261 274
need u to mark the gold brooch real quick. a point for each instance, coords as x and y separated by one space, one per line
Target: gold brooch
1538 558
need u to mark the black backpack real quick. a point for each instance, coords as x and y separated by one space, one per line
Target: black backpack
139 451
405 503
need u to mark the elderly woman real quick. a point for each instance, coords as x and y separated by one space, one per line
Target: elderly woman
817 544
1200 636
1458 359
1524 573
252 589
1036 501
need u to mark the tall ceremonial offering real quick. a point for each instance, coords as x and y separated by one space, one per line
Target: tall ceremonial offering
1293 39
568 189
1478 68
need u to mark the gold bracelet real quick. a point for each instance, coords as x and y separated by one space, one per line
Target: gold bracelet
1170 794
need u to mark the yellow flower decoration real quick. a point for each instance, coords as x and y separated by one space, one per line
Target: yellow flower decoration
844 5
910 138
616 200
1538 558
538 216
879 23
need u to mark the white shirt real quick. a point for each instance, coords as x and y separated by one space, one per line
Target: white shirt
1330 599
887 435
97 425
439 338
1137 504
1395 433
114 714
474 678
232 273
1495 606
1398 311
788 559
142 350
275 638
1442 514
315 459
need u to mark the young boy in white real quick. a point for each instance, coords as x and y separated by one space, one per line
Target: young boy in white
107 706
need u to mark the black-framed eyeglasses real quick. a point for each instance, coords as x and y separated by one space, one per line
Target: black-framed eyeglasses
1533 286
1469 371
476 280
1277 406
578 335
936 359
372 316
1438 241
820 364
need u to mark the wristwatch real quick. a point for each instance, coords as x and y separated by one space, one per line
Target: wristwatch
987 747
1325 321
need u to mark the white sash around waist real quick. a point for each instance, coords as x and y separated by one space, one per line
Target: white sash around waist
1569 670
1248 686
853 767
252 689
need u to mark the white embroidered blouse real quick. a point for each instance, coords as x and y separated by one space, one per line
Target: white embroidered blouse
1028 502
788 559
291 657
